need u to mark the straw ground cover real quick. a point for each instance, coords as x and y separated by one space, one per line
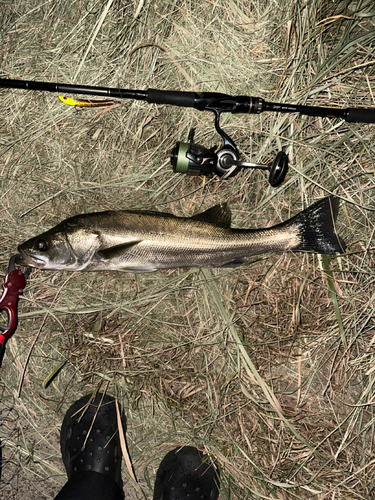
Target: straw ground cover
269 368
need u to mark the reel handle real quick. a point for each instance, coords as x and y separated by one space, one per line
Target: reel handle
278 169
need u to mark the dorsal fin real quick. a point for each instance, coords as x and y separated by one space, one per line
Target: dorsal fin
219 215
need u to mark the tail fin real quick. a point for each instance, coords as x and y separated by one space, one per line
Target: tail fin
316 227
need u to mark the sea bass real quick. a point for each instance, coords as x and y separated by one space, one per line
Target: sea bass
141 242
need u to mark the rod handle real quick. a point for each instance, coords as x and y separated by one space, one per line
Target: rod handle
174 97
360 115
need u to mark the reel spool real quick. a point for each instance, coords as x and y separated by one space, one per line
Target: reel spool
193 159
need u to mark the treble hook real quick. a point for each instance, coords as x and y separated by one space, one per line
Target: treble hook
14 283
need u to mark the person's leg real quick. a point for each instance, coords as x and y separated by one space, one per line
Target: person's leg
185 474
91 451
90 486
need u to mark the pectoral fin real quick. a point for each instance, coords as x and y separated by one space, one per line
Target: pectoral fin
117 251
116 259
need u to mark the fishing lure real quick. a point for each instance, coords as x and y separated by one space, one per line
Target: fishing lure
82 103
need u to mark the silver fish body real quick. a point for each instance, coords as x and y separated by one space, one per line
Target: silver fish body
135 241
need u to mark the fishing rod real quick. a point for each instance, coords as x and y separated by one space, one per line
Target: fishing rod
193 159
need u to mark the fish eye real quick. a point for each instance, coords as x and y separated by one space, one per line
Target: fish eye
41 245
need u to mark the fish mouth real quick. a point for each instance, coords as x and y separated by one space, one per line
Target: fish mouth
30 260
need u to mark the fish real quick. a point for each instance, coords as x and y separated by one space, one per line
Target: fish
142 241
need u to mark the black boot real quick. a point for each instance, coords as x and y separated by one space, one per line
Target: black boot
183 475
91 450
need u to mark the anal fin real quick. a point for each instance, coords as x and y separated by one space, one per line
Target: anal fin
137 270
235 263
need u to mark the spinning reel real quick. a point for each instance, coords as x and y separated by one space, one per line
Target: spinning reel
192 159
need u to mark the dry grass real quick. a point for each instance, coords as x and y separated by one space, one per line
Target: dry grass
255 365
